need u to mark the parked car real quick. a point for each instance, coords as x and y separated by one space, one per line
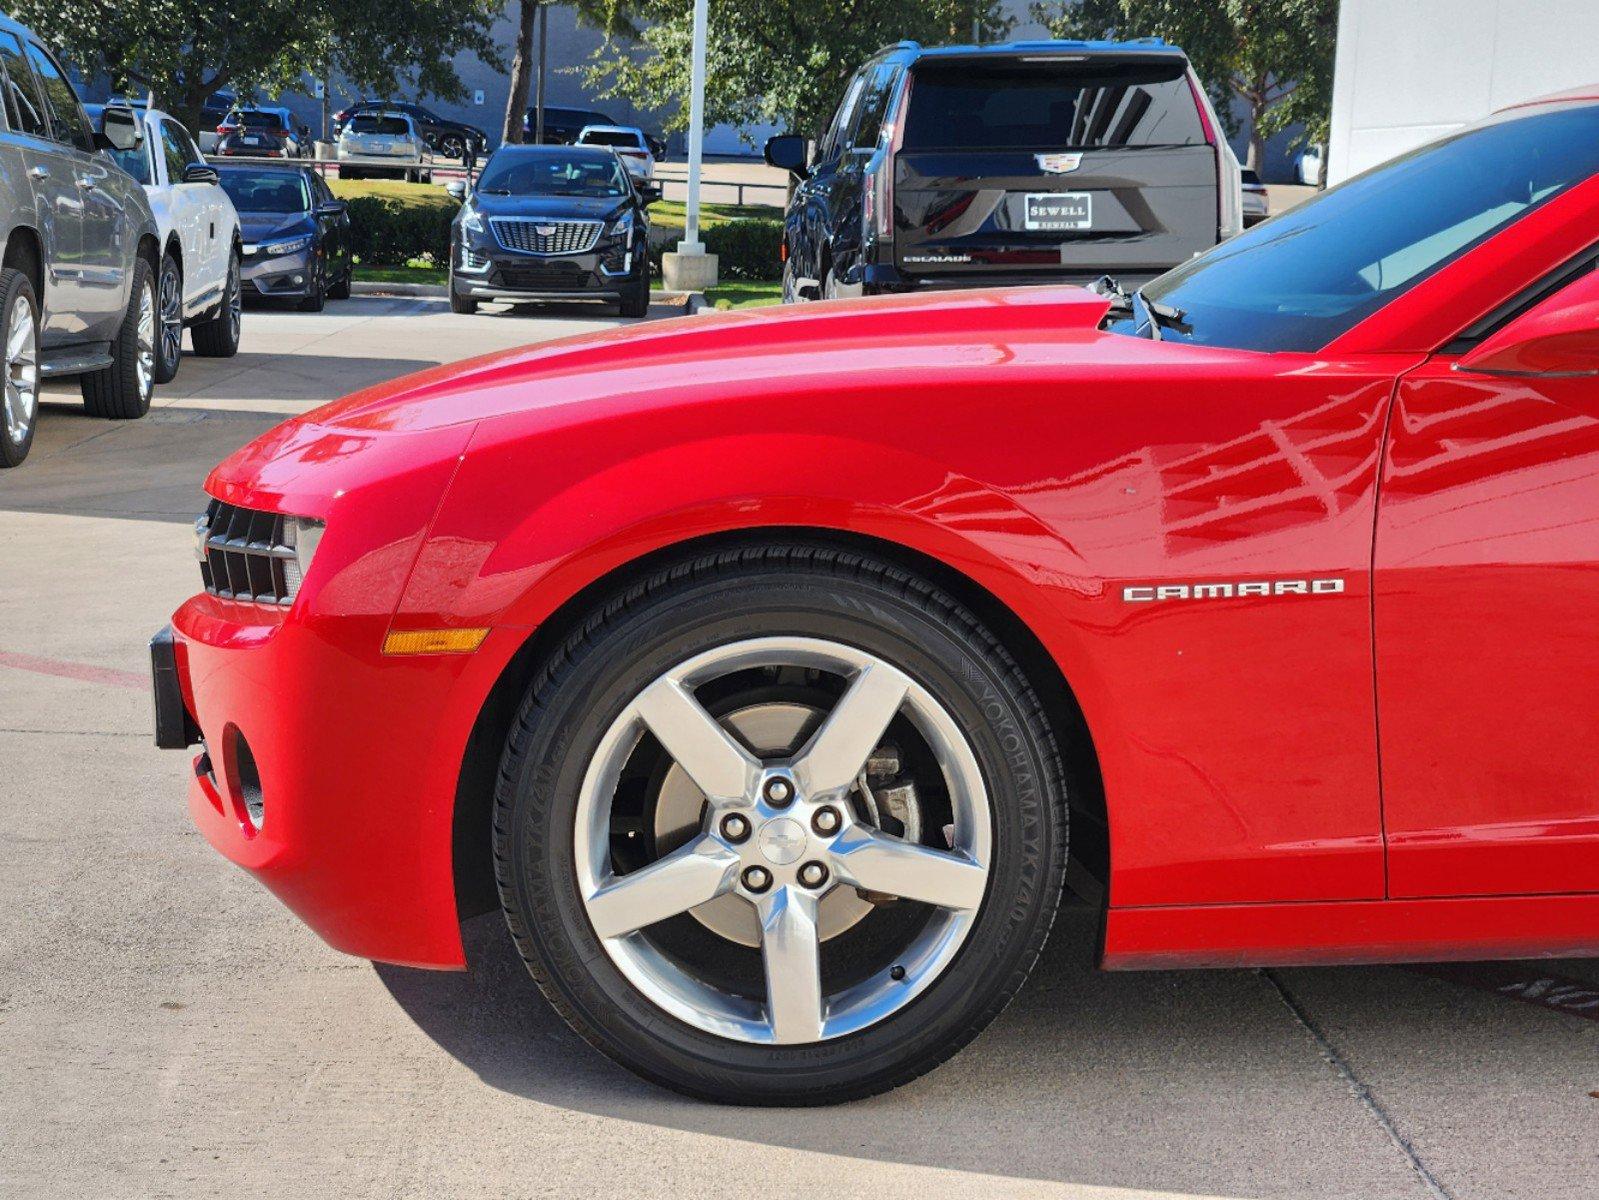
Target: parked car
197 286
77 280
381 137
213 111
552 223
444 137
1019 163
1309 164
1257 205
630 144
562 125
765 668
296 234
259 133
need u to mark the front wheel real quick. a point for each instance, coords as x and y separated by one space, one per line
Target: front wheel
316 298
19 325
169 304
122 391
218 336
780 826
636 291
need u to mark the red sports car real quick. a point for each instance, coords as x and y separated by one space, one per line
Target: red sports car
775 672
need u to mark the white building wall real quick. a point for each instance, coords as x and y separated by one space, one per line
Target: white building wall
1410 70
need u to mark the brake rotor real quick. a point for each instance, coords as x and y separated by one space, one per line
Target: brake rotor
770 730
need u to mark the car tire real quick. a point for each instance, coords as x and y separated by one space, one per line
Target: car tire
458 302
790 290
169 321
316 301
122 391
340 288
452 145
218 336
636 291
702 1034
19 334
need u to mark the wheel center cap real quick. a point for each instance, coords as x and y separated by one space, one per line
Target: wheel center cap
782 841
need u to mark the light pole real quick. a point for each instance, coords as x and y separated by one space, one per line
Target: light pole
690 269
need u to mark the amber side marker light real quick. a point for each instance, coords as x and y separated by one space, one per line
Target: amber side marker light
434 641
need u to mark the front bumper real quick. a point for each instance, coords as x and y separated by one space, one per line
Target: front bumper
601 274
285 275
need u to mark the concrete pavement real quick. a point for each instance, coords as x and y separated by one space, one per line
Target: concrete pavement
168 1029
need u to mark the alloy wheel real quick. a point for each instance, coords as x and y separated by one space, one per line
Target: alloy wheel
791 847
171 316
146 335
235 301
22 370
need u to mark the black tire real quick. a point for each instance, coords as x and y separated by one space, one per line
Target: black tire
17 429
459 303
452 145
790 291
218 336
169 321
792 590
317 300
636 291
340 288
346 173
122 391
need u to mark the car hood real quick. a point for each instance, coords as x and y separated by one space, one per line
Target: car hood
258 227
584 208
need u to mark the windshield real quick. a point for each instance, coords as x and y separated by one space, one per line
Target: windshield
975 104
392 126
542 174
266 191
1310 275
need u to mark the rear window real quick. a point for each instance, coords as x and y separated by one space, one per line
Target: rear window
596 137
393 126
1015 105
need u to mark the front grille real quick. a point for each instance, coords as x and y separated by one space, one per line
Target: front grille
553 278
247 555
545 237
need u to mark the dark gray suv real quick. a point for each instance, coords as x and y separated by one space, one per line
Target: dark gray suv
77 294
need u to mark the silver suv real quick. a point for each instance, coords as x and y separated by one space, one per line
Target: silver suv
77 291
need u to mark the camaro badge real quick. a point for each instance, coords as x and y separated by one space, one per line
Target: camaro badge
1058 164
1145 592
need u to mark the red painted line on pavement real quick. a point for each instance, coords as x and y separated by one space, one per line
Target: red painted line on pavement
1517 981
82 672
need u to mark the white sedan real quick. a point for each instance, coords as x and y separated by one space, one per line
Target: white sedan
381 141
199 284
630 144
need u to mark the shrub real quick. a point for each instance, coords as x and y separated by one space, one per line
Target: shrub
386 232
747 249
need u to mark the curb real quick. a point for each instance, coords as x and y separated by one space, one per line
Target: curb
693 302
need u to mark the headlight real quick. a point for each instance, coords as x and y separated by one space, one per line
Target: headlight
471 219
623 225
287 246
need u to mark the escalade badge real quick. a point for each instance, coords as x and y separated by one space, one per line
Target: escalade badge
1058 164
1144 593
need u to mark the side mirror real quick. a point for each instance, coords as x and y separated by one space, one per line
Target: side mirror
456 188
200 173
120 129
1557 339
649 192
789 152
331 208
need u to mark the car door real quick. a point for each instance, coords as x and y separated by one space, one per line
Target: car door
816 195
333 219
104 256
197 216
58 209
1486 607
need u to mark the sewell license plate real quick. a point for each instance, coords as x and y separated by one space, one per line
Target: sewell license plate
1058 212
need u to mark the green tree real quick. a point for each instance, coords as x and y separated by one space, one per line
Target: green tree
609 15
1274 55
184 50
780 62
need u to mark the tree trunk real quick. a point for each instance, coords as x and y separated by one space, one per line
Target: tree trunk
1257 140
521 74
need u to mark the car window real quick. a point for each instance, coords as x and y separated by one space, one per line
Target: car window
66 114
1019 105
191 152
388 125
25 111
606 137
1309 275
874 105
173 150
831 141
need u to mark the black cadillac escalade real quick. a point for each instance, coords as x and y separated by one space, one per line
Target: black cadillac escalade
1027 162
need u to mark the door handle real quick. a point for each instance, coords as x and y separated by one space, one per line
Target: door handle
39 172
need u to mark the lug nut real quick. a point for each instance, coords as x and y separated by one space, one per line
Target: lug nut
826 821
757 879
778 792
735 828
813 874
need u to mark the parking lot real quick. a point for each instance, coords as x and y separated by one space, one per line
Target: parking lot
168 1029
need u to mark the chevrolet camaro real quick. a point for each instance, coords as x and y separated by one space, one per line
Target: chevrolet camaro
776 673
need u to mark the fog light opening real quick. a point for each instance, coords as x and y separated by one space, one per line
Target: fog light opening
244 782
